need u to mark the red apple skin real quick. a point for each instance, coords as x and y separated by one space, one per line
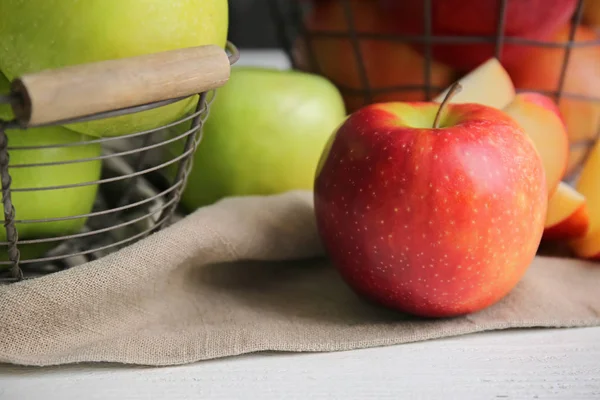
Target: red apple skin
528 19
431 222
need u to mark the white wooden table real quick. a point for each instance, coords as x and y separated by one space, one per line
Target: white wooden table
523 364
531 364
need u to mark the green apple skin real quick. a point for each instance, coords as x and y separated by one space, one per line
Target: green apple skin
49 203
264 135
42 34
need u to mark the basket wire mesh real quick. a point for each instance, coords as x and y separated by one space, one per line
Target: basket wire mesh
290 21
138 190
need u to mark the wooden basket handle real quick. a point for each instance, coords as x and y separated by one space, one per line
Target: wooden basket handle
86 89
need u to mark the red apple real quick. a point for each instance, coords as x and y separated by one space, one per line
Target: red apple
387 64
529 19
435 222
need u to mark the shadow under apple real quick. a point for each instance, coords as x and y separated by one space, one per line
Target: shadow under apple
293 288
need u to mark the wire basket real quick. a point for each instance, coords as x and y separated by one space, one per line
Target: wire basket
138 177
400 50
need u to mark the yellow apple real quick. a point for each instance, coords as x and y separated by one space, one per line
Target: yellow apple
567 216
539 116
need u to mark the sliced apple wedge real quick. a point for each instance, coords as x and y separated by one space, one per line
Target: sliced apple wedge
488 84
540 118
567 216
587 247
588 185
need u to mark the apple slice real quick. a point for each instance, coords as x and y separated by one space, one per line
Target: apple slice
567 216
539 116
488 84
589 186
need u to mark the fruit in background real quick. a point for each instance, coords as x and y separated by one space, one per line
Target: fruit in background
588 184
530 19
539 116
591 13
264 135
488 84
42 34
433 222
41 204
567 216
387 64
540 70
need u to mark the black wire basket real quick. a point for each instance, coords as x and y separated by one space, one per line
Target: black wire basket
119 188
401 50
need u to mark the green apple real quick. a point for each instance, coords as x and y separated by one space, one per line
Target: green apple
57 203
42 34
264 135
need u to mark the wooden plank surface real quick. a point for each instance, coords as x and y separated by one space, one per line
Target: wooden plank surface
529 364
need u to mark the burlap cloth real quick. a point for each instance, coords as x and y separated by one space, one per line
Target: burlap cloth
246 275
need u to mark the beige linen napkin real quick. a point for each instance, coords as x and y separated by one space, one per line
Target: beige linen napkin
245 275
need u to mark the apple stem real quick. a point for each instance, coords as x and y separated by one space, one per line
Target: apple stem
454 89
